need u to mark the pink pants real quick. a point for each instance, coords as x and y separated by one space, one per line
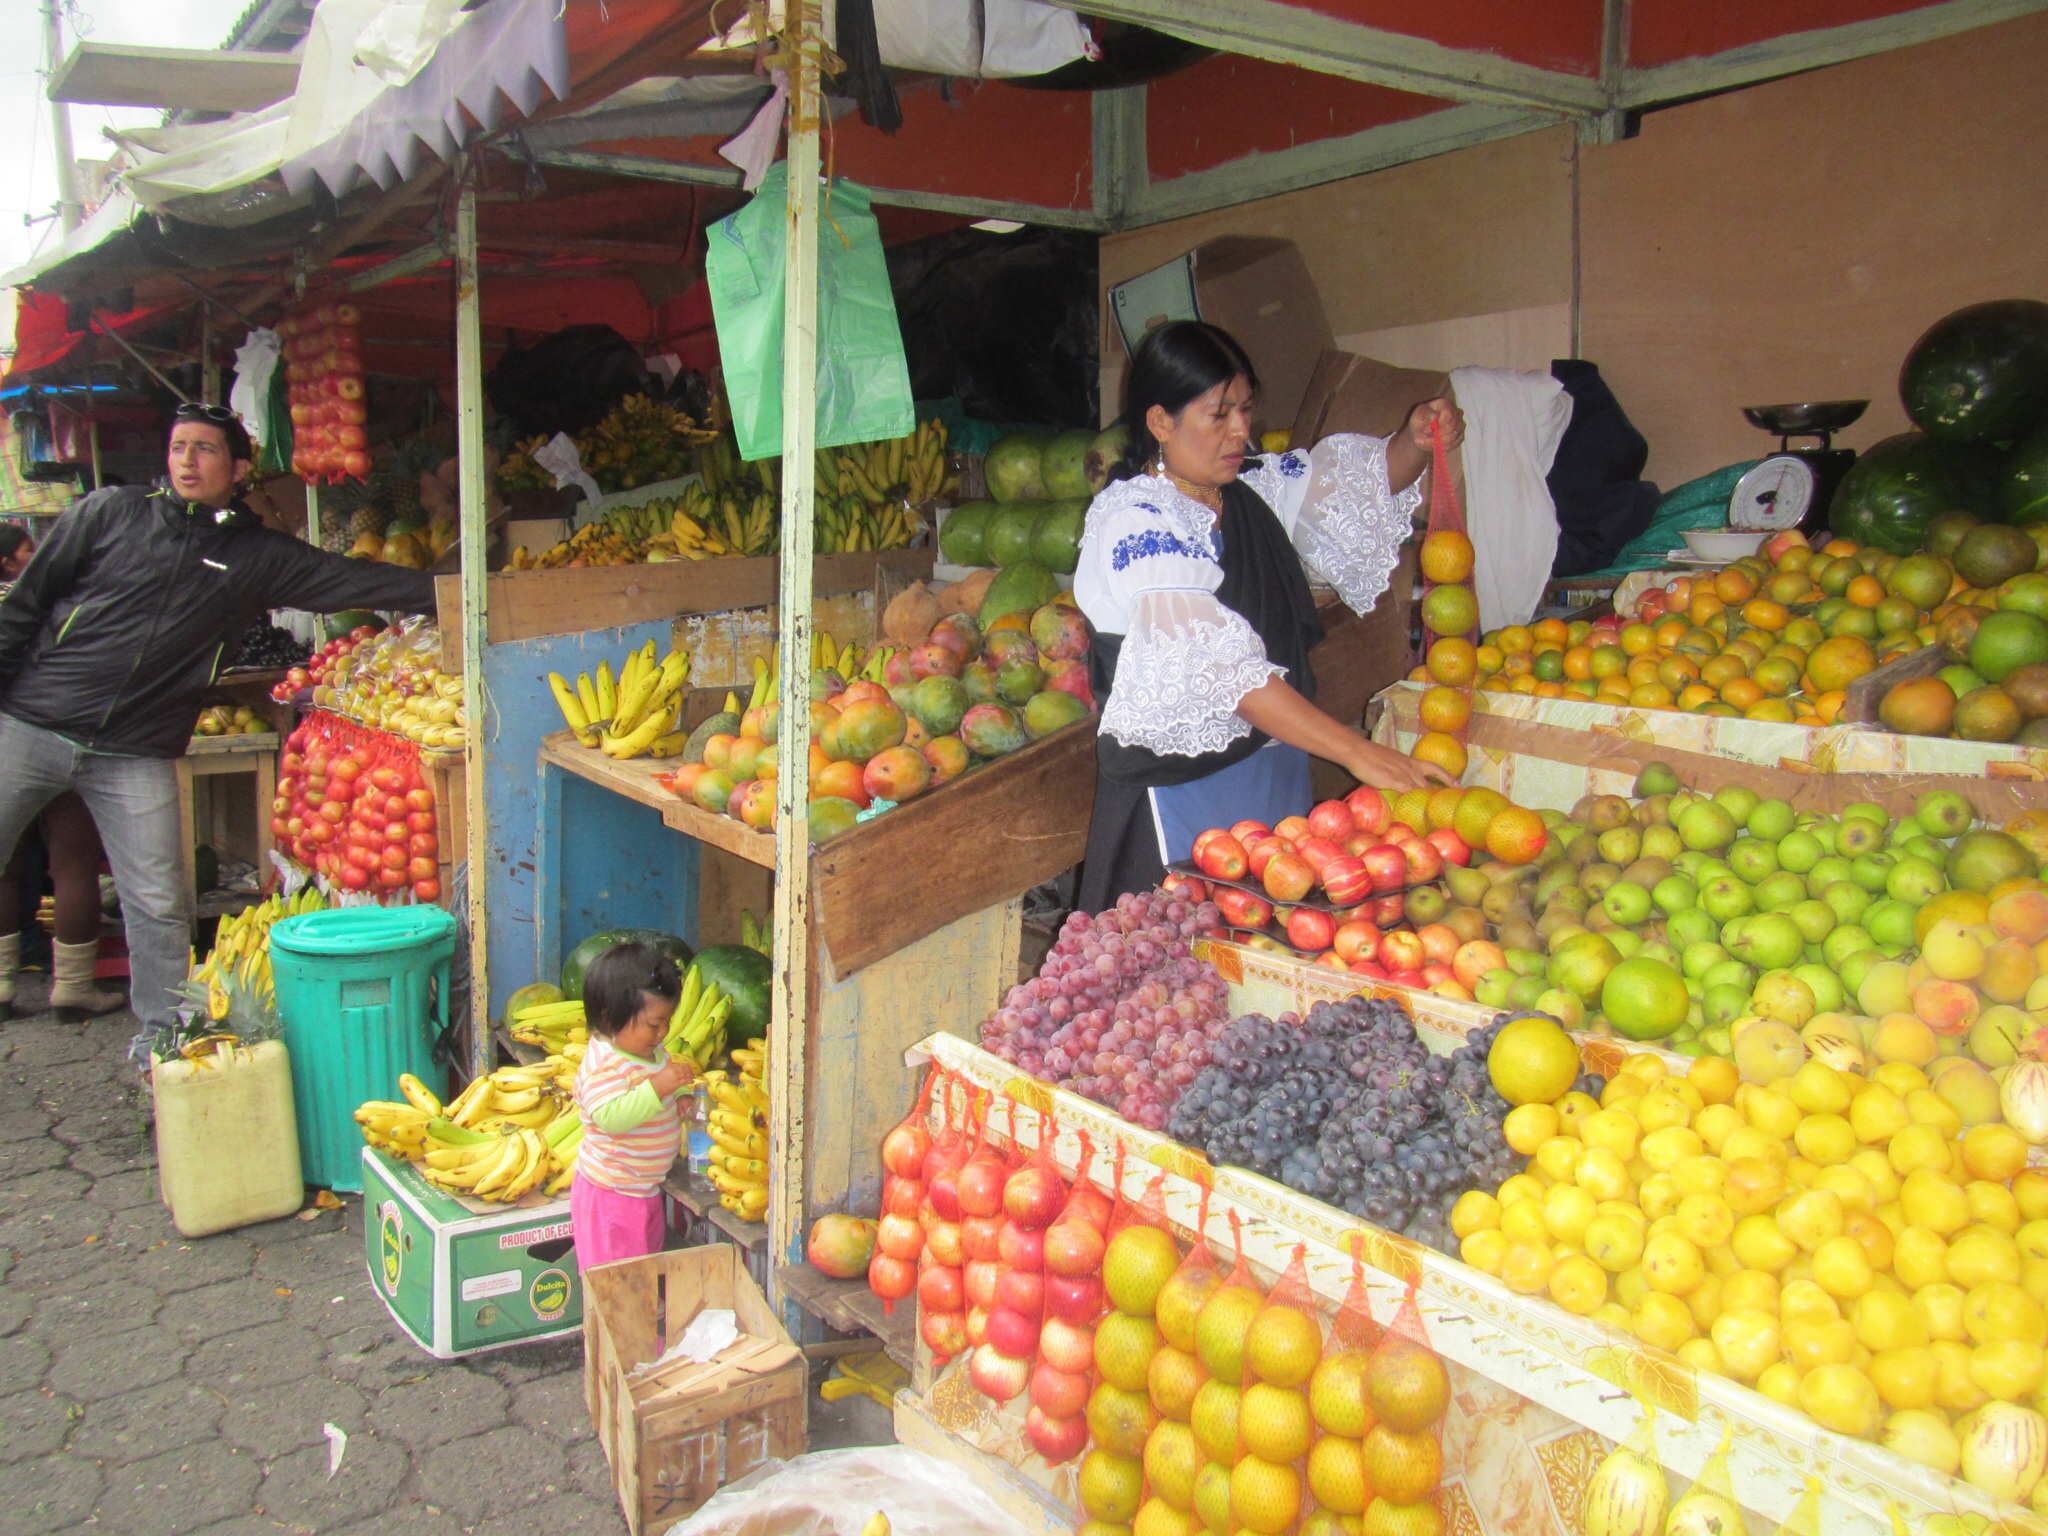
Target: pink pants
609 1225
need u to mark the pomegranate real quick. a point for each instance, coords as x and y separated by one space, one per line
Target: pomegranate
979 1236
1089 1204
1019 1248
901 1196
1073 1298
904 1150
942 1243
980 1184
841 1246
1032 1196
1022 1291
944 1333
891 1279
900 1237
1066 1347
979 1276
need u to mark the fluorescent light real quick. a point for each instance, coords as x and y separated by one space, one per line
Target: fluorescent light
997 226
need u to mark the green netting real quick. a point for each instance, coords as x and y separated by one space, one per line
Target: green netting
1701 503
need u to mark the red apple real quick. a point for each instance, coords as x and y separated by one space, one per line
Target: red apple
1413 979
1012 1333
1388 910
1073 1248
1369 809
1370 968
1436 972
1021 1291
1057 1440
1056 1393
940 1289
1288 877
1074 1299
996 1374
1328 958
978 1237
942 1243
1401 950
1219 855
1316 852
1346 880
981 1186
1308 929
1033 1196
1066 1346
1358 843
1241 909
979 1278
1425 862
1453 847
1264 852
1352 942
1332 821
1020 1247
1186 887
1388 867
1292 828
1439 942
1249 832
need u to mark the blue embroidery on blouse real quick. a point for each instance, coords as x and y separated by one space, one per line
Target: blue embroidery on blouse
1292 465
1153 541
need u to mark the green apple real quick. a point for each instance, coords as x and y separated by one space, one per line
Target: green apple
1675 893
1815 919
1780 892
1859 835
1626 902
1785 997
1771 820
1855 967
1662 843
1868 810
1769 941
1621 846
1753 859
1494 988
1890 924
1700 958
1526 991
1831 868
1692 926
1871 870
1707 826
1846 940
1915 880
1738 800
1656 779
1823 984
1724 1004
1724 897
1848 900
1626 941
1943 813
1799 852
1731 973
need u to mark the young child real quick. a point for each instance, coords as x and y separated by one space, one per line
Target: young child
625 1092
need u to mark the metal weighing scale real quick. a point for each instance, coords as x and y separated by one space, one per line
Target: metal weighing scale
1792 488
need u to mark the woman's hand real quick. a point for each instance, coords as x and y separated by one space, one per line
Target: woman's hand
1440 414
1386 769
680 1070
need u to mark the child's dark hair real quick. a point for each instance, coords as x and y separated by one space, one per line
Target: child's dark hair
619 982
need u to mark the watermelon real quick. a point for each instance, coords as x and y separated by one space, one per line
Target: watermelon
335 625
1056 536
583 954
1894 490
1009 531
963 533
742 974
1980 375
2024 498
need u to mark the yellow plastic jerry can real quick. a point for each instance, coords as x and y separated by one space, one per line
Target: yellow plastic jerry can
227 1138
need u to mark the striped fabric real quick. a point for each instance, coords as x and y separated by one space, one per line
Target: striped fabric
632 1162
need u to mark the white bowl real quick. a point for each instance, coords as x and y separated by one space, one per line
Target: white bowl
1723 543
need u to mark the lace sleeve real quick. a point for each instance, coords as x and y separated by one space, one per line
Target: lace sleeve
1351 526
1185 663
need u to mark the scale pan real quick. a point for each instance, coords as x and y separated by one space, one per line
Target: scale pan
1798 420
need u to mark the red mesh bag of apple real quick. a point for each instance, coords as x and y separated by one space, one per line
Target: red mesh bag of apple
1137 1263
1407 1391
1032 1196
943 1329
1055 1424
899 1237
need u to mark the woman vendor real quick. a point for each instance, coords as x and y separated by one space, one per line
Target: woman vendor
1191 573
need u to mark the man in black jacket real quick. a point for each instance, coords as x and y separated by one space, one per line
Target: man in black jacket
122 620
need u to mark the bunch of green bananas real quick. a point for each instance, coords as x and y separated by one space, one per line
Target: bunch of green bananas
551 1026
751 524
738 1124
697 1027
758 933
846 522
911 468
504 1135
241 949
640 713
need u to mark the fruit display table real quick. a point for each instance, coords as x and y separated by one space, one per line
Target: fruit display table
1533 1371
238 822
916 917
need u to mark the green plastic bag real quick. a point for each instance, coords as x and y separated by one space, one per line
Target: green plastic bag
863 379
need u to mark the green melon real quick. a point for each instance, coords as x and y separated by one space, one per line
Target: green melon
335 625
2024 497
533 995
1056 536
1980 375
1009 532
1893 492
1015 467
963 534
1024 587
743 975
579 959
1066 464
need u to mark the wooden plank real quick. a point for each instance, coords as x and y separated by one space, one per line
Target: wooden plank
850 1307
1868 691
525 605
634 779
256 744
975 842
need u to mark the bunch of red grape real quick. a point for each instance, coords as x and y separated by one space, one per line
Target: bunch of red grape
1121 1012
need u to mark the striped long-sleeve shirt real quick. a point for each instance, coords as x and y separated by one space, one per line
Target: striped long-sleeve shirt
630 1136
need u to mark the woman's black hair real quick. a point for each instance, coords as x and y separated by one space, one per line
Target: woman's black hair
1180 361
619 982
12 537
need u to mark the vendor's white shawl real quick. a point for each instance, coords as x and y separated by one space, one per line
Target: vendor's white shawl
1148 571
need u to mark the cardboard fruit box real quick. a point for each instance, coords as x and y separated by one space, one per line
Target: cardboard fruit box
461 1276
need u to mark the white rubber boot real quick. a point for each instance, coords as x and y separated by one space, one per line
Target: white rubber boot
73 993
10 962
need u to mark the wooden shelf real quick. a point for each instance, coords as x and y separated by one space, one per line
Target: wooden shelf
701 1200
255 743
634 778
850 1307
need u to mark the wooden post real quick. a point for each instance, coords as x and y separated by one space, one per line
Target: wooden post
787 1032
469 444
312 514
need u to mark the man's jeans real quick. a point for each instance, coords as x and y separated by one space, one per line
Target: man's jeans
134 803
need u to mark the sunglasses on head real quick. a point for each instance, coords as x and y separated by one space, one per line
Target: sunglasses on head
192 410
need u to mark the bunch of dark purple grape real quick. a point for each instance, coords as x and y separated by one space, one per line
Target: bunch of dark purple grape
1121 1012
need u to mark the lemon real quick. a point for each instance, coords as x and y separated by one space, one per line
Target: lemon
1532 1060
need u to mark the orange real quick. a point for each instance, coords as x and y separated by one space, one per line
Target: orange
1445 709
1669 629
1524 683
1775 710
1693 695
1638 638
1609 661
1613 690
1442 812
1734 585
1444 751
1643 670
1837 663
1674 672
1446 556
1515 637
1651 696
1764 613
1515 835
1548 689
1829 705
1721 669
1776 675
1556 631
1548 666
1866 591
1741 692
1453 661
1491 659
1578 662
1518 664
1704 606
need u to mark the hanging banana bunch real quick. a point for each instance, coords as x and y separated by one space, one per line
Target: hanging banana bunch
738 1123
638 714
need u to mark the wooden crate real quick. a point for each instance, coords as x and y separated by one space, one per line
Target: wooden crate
672 1446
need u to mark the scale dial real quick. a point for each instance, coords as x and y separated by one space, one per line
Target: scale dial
1774 495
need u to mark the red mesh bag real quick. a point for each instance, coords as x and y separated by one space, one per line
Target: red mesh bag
1407 1391
1032 1196
949 1150
1280 1346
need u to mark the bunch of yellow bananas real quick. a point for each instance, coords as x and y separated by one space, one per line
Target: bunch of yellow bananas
241 949
697 1027
688 529
551 1026
911 468
640 713
829 655
846 523
739 1132
597 543
506 1134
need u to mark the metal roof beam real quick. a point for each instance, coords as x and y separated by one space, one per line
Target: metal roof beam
1797 51
1289 34
198 79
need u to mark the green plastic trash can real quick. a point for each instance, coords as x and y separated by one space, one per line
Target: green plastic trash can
363 992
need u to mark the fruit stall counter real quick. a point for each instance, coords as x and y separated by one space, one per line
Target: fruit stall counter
916 916
232 819
1536 1370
